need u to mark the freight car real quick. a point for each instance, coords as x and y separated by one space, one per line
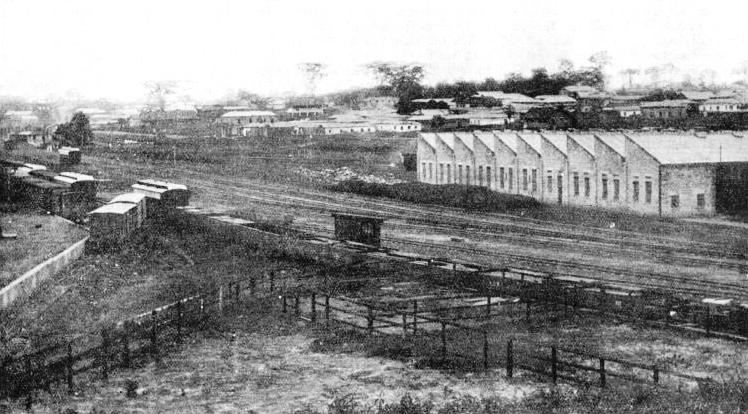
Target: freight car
136 199
162 196
111 224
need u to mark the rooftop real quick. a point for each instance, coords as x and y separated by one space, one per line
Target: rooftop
114 208
430 138
486 138
586 141
246 114
688 148
508 138
556 99
557 139
673 103
533 140
613 140
448 139
132 198
466 138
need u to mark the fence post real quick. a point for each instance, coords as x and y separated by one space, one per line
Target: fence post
4 391
154 337
488 305
405 325
179 321
415 317
252 284
509 359
327 309
602 373
708 320
237 291
202 308
220 300
656 375
554 364
69 370
314 307
104 354
126 345
369 320
296 308
527 310
485 350
444 341
285 304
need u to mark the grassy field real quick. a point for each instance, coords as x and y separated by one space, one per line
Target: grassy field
39 238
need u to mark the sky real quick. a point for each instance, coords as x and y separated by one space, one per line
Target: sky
111 49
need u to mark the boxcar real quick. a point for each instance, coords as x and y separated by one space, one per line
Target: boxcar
69 155
41 193
137 199
112 223
79 183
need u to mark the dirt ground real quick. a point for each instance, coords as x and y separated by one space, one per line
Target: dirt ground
40 236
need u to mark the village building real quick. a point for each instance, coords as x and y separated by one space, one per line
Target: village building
580 149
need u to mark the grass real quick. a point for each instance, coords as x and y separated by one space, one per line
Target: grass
39 238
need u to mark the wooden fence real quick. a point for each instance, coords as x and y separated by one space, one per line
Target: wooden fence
147 336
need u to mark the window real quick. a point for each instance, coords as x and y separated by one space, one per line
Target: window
605 187
700 201
648 191
488 177
524 179
616 188
576 184
423 169
441 173
511 178
467 174
501 177
587 186
449 173
459 174
549 181
534 180
675 201
635 190
480 175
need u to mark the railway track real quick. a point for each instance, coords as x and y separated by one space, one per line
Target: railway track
588 272
553 240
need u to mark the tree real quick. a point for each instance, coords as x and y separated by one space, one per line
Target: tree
600 60
565 66
404 80
314 71
77 132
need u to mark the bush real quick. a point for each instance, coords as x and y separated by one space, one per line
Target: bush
461 196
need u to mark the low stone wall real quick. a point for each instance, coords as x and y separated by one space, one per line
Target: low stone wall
24 285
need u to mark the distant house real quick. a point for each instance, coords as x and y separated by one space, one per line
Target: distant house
581 91
714 105
156 119
515 102
557 101
487 118
303 112
624 111
672 109
697 96
233 123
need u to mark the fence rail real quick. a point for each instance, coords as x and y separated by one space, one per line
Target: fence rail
146 336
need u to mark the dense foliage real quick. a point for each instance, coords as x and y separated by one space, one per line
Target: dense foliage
76 133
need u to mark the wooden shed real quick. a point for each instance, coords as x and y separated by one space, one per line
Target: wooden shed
358 228
79 183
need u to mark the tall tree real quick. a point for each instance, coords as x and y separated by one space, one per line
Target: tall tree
404 80
77 132
629 74
158 93
313 71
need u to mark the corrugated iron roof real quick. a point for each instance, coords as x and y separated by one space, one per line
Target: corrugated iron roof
586 141
448 139
508 138
556 99
467 139
486 138
246 114
557 139
533 140
614 140
684 148
132 198
430 138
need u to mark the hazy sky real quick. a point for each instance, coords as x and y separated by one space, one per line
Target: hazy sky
111 48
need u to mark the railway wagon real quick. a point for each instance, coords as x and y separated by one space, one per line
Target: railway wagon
138 200
162 196
41 193
79 183
112 224
69 155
